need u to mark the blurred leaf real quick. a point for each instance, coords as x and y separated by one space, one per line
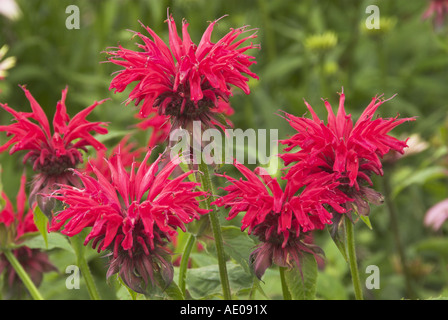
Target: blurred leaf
436 245
408 177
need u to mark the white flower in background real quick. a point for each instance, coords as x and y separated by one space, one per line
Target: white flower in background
10 9
6 64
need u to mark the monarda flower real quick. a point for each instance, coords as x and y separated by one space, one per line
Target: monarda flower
439 9
352 152
184 80
132 216
282 219
51 154
14 224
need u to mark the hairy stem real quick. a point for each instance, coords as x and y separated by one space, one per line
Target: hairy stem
79 249
350 234
285 290
216 227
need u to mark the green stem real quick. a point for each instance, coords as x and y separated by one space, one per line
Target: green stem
350 233
285 290
184 262
23 275
396 233
79 249
216 227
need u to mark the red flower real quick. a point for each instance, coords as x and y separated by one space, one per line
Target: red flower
281 219
184 80
133 216
51 153
351 152
18 223
439 8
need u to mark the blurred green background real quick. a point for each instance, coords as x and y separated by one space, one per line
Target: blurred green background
310 50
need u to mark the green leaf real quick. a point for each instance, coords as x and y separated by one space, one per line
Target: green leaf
41 222
302 282
366 220
337 233
203 283
173 291
238 245
52 240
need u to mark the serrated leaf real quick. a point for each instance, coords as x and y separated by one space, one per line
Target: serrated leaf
302 282
205 282
238 245
41 222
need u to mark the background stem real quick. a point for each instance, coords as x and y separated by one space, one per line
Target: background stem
23 275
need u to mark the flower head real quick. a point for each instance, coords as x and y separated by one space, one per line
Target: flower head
14 224
350 151
182 79
132 216
281 218
51 154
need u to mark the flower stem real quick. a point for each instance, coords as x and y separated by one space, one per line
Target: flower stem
184 262
79 249
350 234
216 227
285 290
396 233
23 275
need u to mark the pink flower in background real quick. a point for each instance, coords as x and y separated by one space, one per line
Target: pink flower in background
129 153
133 216
184 80
51 152
351 151
19 222
438 9
281 218
159 125
437 215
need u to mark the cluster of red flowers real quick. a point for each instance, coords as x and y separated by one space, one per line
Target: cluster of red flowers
133 209
327 179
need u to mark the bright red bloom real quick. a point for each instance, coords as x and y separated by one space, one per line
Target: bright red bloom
281 219
133 216
51 153
18 223
439 8
184 80
351 151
